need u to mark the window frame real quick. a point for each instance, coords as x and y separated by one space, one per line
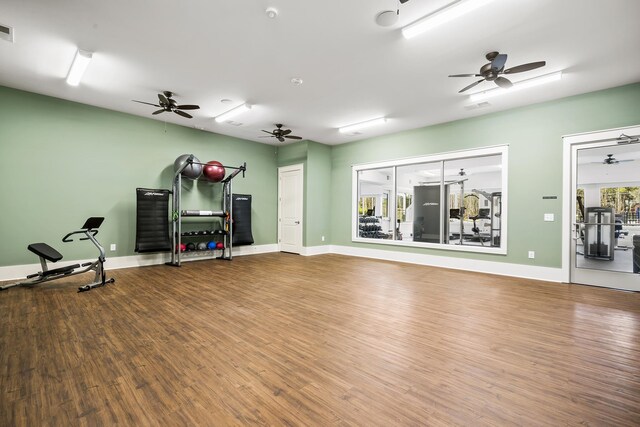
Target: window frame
502 150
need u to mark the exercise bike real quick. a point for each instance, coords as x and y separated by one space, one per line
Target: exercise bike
47 253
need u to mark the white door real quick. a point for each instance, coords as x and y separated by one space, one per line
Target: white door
605 211
290 198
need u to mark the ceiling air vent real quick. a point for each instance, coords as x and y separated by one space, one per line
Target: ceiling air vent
232 123
6 33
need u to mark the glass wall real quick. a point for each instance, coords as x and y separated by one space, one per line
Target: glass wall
374 189
450 200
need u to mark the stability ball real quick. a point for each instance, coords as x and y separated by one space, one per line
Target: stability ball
214 171
193 171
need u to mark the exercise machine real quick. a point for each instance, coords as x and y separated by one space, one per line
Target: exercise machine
47 253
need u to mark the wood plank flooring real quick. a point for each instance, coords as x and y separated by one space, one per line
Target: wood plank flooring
281 339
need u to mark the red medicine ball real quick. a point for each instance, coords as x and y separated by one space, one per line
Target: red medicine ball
214 171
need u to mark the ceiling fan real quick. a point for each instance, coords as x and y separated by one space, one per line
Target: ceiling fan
610 160
280 134
492 72
168 104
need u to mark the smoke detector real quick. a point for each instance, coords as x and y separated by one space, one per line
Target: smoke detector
387 18
271 12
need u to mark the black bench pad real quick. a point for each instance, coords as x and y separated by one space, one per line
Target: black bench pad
45 251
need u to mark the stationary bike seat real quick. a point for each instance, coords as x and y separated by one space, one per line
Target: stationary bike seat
45 251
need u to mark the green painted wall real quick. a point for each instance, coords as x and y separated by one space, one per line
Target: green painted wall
318 195
61 162
534 135
316 159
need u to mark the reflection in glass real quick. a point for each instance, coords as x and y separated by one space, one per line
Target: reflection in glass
607 217
418 202
473 188
374 188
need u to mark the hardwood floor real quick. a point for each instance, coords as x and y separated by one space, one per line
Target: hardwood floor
282 339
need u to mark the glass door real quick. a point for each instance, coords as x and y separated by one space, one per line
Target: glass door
605 245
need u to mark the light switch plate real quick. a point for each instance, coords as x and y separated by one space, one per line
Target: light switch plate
549 217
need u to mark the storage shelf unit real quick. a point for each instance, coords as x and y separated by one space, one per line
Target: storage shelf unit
178 215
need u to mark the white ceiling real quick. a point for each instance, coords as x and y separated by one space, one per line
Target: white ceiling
353 69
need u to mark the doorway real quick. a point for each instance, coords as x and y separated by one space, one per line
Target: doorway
604 203
290 208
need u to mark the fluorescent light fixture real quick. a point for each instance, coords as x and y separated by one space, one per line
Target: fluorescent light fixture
233 112
448 13
78 67
357 126
524 84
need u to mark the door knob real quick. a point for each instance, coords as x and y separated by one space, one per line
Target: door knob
297 222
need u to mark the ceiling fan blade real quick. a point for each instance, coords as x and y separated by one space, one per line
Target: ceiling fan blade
148 103
281 139
503 82
158 112
163 99
293 137
465 75
285 132
498 62
626 160
265 136
525 67
471 85
183 114
188 107
266 131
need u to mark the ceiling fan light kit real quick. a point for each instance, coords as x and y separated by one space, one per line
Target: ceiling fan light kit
78 67
167 104
448 13
524 84
233 112
361 125
280 134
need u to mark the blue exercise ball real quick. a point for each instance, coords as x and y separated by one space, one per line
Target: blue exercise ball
211 245
193 171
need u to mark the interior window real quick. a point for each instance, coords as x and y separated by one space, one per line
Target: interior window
454 201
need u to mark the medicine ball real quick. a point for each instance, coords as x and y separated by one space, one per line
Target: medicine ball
211 245
193 171
183 247
191 246
214 171
219 245
202 246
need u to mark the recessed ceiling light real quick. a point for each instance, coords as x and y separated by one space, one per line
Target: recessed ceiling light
233 112
78 67
448 13
271 12
358 126
297 81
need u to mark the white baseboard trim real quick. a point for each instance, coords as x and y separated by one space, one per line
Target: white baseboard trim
316 250
18 272
491 267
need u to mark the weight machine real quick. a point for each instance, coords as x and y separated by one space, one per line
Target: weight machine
47 253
